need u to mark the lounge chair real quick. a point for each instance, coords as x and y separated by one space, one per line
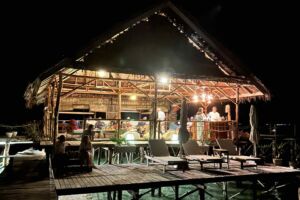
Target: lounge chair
233 154
194 152
159 154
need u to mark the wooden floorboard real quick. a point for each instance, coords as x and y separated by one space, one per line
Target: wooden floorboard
25 182
134 176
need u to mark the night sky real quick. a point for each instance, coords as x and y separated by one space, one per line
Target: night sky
263 36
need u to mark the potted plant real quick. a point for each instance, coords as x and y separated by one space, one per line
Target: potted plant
264 151
279 150
32 131
295 162
119 141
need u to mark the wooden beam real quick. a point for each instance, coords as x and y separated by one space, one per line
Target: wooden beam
74 90
150 81
56 114
227 96
237 111
145 93
171 92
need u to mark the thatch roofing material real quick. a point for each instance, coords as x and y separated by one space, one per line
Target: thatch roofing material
161 39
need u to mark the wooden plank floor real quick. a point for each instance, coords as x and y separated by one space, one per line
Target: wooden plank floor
134 176
27 180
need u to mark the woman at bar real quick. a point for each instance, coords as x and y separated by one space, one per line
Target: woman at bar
200 117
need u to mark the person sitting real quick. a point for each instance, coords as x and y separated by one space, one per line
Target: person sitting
60 156
85 152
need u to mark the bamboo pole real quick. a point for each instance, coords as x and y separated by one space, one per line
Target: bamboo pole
52 109
155 110
56 111
119 107
237 101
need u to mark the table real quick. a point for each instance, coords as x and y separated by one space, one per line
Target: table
224 151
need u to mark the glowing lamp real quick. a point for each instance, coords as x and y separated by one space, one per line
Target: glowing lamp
102 73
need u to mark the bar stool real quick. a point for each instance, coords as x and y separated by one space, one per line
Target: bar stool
119 151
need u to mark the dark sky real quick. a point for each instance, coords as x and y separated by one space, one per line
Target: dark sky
263 36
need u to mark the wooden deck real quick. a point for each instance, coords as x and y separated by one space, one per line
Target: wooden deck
27 180
133 177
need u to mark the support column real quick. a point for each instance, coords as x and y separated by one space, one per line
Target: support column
237 101
155 110
119 108
52 110
56 112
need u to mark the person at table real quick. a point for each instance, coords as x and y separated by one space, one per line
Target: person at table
89 132
214 115
60 156
85 152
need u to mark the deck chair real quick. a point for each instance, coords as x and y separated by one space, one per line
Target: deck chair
159 154
233 154
194 152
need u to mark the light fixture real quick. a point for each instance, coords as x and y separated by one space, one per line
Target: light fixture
174 137
204 97
163 78
195 98
129 136
133 97
102 73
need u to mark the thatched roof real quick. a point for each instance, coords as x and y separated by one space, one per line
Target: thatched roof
162 39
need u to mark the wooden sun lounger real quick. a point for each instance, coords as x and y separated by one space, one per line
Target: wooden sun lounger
159 154
196 153
233 154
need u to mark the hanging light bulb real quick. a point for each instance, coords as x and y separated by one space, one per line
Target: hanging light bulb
164 80
133 97
195 98
102 73
203 96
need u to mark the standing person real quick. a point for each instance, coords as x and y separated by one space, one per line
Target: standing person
85 151
89 132
214 115
161 117
173 117
60 155
200 117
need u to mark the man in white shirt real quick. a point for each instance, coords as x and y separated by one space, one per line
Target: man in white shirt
214 115
161 116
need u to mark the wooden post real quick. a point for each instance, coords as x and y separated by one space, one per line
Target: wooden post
237 101
119 101
119 108
48 114
56 112
52 110
155 110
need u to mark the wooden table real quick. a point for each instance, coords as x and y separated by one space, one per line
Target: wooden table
133 177
224 151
